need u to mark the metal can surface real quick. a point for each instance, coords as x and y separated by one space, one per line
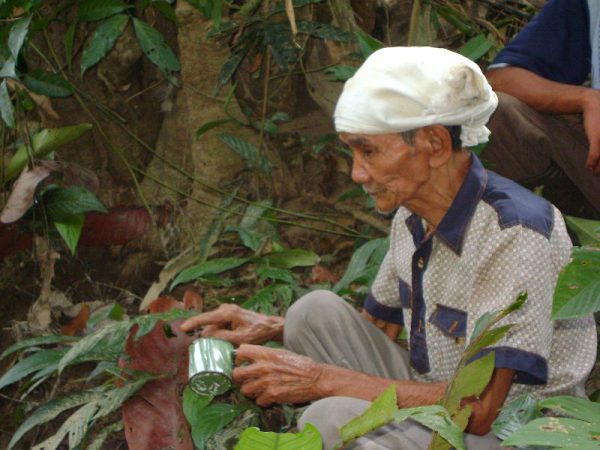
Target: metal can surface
211 364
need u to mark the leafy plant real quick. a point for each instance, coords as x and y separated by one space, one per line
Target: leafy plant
254 439
449 418
105 347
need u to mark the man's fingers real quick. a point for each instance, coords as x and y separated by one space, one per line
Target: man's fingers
250 353
212 317
593 159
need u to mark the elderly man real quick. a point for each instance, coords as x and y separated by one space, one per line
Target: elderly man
464 241
547 127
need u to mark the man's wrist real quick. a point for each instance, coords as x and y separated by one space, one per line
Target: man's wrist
589 100
276 324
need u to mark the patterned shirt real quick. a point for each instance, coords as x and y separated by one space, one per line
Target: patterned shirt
496 240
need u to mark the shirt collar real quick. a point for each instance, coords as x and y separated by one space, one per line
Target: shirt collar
451 230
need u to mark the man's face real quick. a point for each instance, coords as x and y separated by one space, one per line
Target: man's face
389 169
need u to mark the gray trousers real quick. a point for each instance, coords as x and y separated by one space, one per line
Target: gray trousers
541 149
324 327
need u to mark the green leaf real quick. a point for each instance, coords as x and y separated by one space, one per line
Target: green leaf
70 230
30 364
210 125
557 433
422 30
154 46
577 292
264 300
367 43
378 414
324 31
7 110
476 47
98 442
36 341
275 274
341 72
514 415
248 151
114 398
364 260
102 41
43 143
86 344
470 381
92 10
69 41
50 85
587 231
193 403
211 419
236 55
254 439
18 33
166 10
489 339
278 35
254 213
250 238
575 407
53 408
288 259
75 426
212 267
64 203
436 418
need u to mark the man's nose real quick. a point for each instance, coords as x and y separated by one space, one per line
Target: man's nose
359 174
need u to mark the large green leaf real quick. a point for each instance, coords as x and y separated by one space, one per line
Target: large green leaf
577 291
212 267
70 230
92 10
48 84
514 415
7 110
33 363
43 143
288 259
69 41
114 398
157 50
275 274
53 408
557 433
587 231
212 418
437 419
577 408
254 439
64 203
368 256
476 47
38 340
248 151
267 298
250 238
102 41
16 37
87 344
470 381
379 413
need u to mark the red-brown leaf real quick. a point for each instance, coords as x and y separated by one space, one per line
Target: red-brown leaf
153 418
193 300
321 274
162 304
22 193
118 227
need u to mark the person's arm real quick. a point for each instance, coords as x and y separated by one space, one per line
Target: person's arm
552 97
281 376
237 325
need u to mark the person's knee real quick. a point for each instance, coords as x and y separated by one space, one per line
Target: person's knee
312 312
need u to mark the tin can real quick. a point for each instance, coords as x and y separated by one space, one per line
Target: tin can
211 364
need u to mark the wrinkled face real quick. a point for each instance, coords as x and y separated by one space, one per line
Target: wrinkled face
389 169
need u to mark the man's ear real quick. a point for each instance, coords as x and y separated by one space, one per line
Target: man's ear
439 143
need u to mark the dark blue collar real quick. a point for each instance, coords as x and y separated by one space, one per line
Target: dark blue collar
452 228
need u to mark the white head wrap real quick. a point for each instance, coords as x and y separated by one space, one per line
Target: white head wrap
403 88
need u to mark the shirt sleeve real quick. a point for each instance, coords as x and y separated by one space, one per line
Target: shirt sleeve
554 45
383 300
525 262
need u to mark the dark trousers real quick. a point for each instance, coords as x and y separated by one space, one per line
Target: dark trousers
537 149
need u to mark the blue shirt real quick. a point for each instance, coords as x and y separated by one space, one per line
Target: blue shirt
555 44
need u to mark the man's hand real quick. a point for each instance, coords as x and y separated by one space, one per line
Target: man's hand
237 325
591 124
278 376
391 330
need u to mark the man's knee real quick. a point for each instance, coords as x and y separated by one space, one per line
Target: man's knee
310 313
